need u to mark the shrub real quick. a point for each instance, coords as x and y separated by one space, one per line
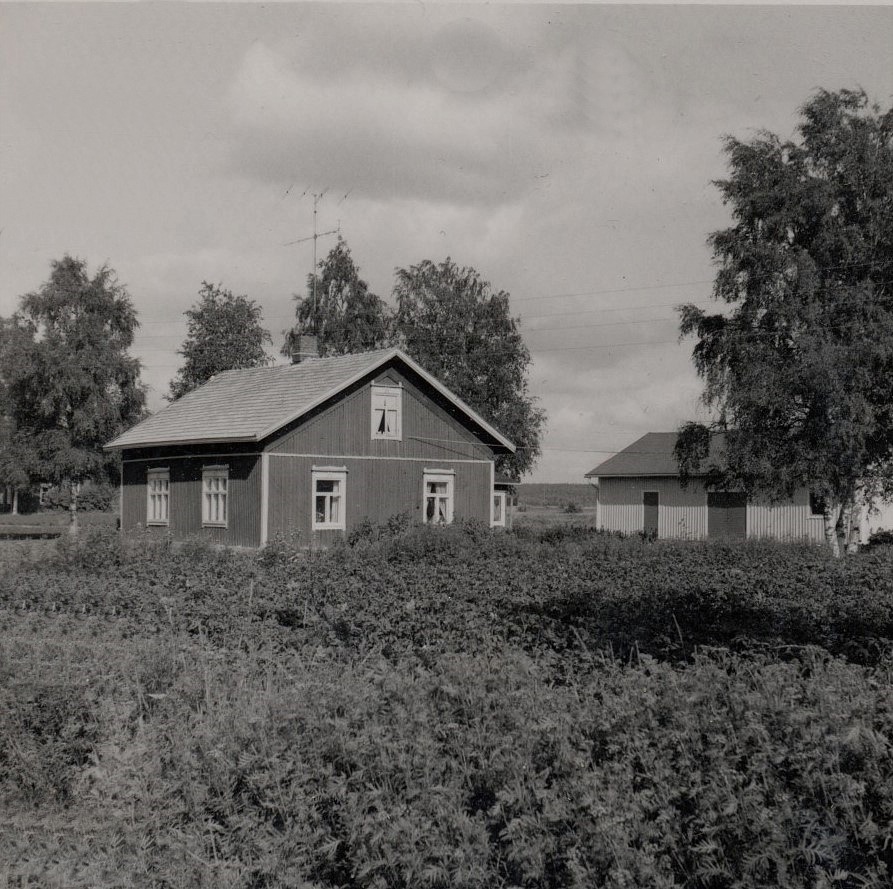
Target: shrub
367 531
281 549
92 495
98 549
881 537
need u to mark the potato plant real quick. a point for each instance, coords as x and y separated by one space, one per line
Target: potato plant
448 708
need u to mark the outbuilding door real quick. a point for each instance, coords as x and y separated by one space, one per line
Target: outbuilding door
651 504
726 514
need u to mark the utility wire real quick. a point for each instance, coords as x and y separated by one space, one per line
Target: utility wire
642 288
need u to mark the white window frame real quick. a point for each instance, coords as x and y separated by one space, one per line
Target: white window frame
158 493
381 395
329 475
436 477
210 515
501 497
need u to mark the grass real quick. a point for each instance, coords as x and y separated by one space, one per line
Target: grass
13 552
58 518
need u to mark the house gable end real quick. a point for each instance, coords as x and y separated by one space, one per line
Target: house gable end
432 426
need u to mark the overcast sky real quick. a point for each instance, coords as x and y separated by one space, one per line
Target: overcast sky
566 152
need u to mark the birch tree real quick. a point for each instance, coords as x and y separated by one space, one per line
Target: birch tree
339 309
798 361
70 384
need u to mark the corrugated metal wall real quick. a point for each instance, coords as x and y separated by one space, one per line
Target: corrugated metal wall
683 512
244 495
376 489
785 521
344 428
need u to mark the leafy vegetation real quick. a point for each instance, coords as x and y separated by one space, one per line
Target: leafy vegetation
225 332
797 365
461 330
68 384
448 707
339 309
449 319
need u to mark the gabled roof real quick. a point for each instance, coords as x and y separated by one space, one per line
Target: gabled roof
249 405
652 454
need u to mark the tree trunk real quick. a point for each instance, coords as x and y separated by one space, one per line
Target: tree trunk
832 515
15 501
854 528
73 489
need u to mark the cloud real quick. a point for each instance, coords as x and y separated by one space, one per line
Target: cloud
364 133
455 111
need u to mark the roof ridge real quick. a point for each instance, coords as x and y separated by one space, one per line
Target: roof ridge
249 404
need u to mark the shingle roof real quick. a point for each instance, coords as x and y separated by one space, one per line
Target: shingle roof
652 454
250 404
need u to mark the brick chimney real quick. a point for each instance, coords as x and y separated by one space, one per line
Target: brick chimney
306 347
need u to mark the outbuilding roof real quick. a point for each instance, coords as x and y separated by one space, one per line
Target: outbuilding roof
652 454
250 404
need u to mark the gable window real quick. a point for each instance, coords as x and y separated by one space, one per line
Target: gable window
215 496
329 492
387 404
158 490
498 516
438 502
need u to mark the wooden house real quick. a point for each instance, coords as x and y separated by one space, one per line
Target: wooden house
313 448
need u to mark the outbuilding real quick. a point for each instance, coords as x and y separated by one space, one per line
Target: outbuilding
640 492
311 448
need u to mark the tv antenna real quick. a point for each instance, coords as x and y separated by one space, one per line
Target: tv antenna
315 237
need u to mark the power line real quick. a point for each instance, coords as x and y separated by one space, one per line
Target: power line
741 334
612 290
601 292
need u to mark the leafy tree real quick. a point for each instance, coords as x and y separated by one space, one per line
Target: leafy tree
339 309
14 461
69 384
798 366
224 333
451 321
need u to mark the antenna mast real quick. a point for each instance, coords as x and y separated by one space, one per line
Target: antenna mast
315 237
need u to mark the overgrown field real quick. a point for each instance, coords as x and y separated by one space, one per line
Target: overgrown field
533 494
447 708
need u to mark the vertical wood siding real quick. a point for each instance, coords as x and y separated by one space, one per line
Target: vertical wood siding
344 427
375 490
243 496
683 512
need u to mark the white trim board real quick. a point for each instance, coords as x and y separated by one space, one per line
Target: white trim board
374 457
264 499
191 457
289 454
